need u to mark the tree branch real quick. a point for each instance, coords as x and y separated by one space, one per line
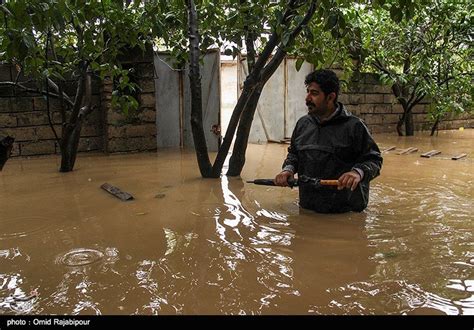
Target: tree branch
271 67
31 90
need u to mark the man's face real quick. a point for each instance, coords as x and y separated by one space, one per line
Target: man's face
317 102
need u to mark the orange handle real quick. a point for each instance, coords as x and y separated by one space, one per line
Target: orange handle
329 182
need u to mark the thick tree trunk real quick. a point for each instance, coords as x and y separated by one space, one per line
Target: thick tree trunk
71 132
409 125
237 160
406 119
249 86
197 128
400 123
69 145
434 128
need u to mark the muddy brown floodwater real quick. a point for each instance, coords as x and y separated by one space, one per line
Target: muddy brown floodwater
188 245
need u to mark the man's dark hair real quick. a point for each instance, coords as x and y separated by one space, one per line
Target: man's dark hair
326 79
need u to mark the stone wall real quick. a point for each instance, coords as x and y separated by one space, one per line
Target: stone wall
24 115
375 103
136 132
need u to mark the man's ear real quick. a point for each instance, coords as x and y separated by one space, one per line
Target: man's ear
332 97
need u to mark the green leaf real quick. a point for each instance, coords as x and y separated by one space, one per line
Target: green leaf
396 14
331 22
299 63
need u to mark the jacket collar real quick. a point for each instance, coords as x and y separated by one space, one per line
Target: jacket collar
340 113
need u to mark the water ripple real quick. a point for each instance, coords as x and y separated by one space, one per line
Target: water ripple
21 226
392 297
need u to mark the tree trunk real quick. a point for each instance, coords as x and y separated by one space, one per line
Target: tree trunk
200 145
69 145
409 125
435 126
400 123
249 86
71 132
237 160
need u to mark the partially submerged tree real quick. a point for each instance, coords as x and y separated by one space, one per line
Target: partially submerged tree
422 49
53 41
268 32
240 24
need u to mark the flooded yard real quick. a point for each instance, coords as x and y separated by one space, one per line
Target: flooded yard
188 245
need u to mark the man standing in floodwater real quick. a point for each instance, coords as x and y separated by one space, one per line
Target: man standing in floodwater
330 143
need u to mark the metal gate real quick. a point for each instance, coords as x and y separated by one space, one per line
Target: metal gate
173 102
282 101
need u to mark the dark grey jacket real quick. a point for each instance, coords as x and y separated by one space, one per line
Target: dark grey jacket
326 151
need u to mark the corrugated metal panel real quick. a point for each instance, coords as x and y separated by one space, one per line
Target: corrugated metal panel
296 107
168 100
173 102
211 100
282 101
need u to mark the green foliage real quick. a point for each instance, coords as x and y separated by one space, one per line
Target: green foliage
53 38
332 39
425 49
223 24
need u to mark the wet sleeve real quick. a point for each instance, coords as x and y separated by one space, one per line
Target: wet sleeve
370 159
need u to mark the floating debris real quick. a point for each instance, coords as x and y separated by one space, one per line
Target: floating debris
125 196
389 149
458 156
407 151
430 153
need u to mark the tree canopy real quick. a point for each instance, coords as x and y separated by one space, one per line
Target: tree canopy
422 51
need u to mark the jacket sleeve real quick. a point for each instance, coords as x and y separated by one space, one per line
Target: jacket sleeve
370 159
291 161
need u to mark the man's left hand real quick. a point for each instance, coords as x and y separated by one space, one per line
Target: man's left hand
349 180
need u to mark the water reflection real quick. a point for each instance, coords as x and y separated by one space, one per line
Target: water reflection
188 245
15 300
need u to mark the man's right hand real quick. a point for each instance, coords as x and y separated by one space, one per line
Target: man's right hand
282 178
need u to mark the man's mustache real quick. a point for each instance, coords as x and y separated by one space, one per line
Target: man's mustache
309 104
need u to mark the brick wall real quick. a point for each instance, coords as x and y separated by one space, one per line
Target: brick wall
376 105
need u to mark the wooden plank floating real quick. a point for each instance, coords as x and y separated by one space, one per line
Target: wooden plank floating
125 196
458 156
389 149
430 153
407 151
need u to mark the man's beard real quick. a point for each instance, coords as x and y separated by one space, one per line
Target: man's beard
311 107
